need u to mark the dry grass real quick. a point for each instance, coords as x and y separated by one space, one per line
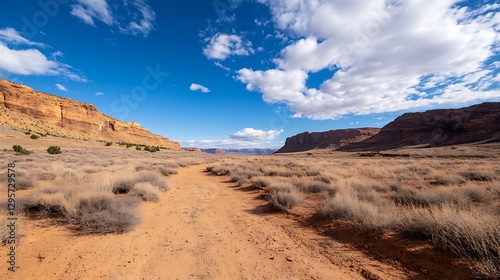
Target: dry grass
146 191
367 215
95 192
284 197
454 204
472 234
101 213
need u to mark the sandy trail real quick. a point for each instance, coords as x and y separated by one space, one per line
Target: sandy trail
203 228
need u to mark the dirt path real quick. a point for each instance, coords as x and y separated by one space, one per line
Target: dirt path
203 228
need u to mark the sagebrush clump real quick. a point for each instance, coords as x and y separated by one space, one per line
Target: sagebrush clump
54 150
20 150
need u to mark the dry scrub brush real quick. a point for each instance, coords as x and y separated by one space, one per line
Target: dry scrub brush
451 203
284 197
95 192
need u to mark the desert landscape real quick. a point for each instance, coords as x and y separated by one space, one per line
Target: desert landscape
250 139
346 205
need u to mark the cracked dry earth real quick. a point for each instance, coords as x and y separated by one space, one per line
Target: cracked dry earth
203 228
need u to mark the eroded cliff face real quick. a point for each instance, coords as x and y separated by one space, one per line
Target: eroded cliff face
329 139
438 128
23 108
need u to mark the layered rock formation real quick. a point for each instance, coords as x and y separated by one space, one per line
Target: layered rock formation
23 108
240 151
329 139
437 128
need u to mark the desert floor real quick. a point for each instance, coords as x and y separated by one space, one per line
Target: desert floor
209 227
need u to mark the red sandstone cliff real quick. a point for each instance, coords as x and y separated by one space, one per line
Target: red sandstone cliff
330 139
23 108
437 128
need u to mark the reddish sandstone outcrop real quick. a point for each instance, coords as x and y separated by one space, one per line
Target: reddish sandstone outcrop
437 128
23 108
329 139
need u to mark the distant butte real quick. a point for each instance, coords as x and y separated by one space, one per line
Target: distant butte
326 140
436 128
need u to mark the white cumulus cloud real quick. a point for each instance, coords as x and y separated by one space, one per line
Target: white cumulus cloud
61 87
251 134
221 46
245 138
16 59
196 87
383 56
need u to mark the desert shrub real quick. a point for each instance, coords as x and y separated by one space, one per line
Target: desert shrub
475 175
416 222
155 179
44 205
24 183
27 133
166 171
285 198
34 136
406 196
69 174
472 234
325 179
263 182
146 191
209 168
109 143
123 185
53 150
139 148
314 187
218 170
347 206
475 194
46 176
447 180
141 167
151 149
101 213
20 150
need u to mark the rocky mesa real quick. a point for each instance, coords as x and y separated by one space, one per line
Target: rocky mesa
331 139
437 128
23 108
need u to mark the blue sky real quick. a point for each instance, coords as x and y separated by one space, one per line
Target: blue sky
236 74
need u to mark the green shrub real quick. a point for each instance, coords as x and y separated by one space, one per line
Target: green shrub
20 150
138 148
151 149
27 133
109 143
53 150
34 136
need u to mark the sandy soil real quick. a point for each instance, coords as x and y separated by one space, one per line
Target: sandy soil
203 228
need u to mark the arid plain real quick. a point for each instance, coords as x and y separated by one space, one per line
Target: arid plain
113 212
